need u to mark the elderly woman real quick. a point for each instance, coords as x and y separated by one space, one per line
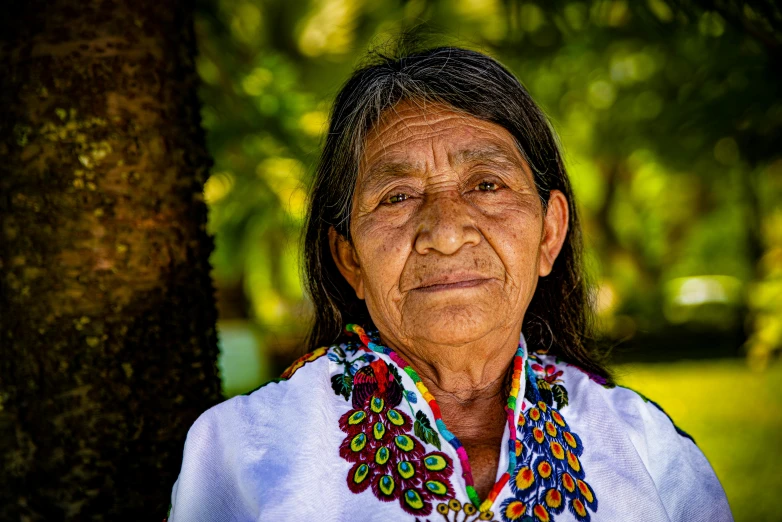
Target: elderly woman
457 381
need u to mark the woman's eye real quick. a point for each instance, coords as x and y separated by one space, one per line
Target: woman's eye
396 198
487 186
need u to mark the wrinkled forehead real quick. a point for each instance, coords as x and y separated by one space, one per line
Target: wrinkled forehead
407 133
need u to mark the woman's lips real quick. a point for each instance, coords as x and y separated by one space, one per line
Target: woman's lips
452 283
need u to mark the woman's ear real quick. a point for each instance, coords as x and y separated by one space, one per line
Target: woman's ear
345 258
555 225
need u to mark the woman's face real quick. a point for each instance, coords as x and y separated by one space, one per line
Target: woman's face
448 232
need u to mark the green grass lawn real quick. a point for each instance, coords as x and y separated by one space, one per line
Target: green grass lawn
735 417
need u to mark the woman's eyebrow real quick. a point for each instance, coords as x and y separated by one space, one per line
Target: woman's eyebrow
490 153
381 172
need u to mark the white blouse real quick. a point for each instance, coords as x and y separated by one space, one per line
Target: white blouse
346 434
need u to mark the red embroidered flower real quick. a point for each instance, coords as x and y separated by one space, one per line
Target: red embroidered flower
550 374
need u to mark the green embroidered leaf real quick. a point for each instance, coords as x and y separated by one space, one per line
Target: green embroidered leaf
423 430
395 373
342 384
546 394
560 395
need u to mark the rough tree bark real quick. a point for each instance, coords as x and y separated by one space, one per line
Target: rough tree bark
107 314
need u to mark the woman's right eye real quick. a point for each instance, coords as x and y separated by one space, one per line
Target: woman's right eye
396 198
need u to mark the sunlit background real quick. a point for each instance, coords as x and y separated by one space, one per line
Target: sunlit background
671 121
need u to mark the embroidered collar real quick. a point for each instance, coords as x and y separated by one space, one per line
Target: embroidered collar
512 410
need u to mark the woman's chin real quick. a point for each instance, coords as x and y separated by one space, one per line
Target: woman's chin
452 325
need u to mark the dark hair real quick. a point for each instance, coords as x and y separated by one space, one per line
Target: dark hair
559 317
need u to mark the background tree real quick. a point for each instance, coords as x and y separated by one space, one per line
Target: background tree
107 316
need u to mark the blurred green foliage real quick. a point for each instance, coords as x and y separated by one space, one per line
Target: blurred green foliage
669 114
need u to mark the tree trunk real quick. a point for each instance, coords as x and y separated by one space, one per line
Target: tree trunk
107 314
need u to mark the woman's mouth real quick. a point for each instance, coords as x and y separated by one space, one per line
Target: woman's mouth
452 282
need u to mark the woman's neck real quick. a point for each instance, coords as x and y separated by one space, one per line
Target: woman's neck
470 372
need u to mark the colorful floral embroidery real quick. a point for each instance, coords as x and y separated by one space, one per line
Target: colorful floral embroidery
379 442
547 379
371 341
454 511
345 356
549 476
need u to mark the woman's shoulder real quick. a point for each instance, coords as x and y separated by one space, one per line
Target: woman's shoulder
621 420
620 428
247 443
303 369
279 400
581 389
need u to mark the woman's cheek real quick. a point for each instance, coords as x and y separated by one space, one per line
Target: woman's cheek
382 251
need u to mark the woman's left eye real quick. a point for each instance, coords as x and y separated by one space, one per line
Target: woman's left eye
487 186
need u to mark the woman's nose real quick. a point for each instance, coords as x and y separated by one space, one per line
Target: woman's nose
445 225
